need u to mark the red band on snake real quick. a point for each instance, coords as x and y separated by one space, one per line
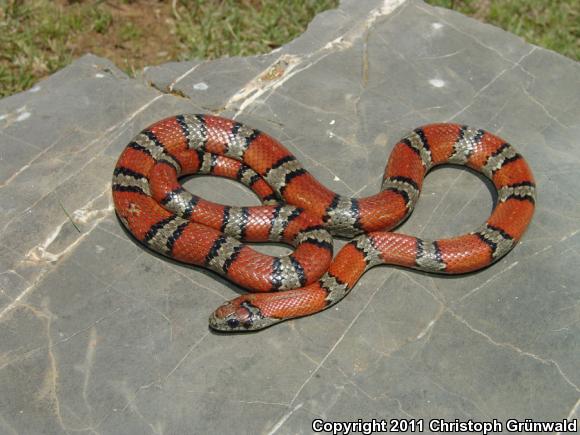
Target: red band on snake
300 211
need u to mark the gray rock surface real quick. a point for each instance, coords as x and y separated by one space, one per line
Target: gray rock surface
98 335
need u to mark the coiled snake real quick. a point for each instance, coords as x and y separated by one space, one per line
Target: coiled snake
299 211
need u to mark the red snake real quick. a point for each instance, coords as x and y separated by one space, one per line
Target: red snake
298 210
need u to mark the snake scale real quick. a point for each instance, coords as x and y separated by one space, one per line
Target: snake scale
300 211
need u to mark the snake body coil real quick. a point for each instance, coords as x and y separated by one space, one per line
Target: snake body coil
298 210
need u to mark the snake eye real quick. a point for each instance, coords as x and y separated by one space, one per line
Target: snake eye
233 323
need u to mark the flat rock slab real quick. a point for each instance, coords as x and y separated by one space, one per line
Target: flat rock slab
97 335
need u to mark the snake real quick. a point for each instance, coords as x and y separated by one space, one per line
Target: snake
299 211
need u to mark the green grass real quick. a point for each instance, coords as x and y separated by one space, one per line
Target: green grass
553 24
33 39
38 37
231 27
130 31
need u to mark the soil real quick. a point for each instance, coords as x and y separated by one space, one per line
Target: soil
151 39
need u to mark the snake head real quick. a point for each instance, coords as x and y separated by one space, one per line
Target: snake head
239 315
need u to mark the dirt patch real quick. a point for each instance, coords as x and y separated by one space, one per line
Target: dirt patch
140 33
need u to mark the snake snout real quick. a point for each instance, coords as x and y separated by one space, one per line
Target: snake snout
231 317
241 314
